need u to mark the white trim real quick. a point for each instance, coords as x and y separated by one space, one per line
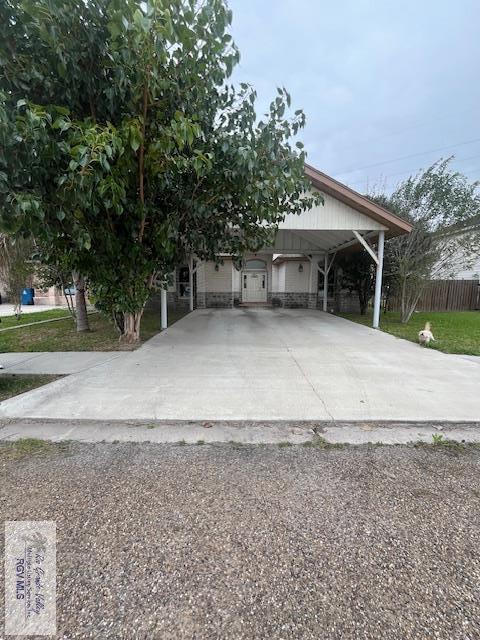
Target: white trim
245 268
330 264
163 309
325 283
190 282
362 241
378 281
349 243
313 281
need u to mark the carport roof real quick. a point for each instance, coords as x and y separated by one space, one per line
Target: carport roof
396 226
346 219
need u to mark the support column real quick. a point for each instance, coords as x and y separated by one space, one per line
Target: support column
190 281
325 284
163 309
313 281
378 280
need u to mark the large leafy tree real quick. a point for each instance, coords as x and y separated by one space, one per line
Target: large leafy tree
51 53
441 204
152 155
358 276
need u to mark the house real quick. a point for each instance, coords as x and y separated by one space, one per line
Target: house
462 258
296 271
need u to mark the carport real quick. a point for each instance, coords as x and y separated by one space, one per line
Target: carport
347 221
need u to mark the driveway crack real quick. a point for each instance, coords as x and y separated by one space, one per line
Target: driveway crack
324 404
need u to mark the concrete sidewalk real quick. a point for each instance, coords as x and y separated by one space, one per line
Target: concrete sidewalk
56 362
7 309
239 432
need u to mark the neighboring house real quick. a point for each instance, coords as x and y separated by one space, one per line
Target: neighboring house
291 272
464 264
469 273
51 296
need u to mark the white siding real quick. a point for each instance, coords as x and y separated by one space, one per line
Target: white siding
333 215
281 277
469 274
218 281
284 277
466 269
201 277
461 266
296 281
275 277
237 280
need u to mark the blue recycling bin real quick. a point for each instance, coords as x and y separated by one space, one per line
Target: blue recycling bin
28 295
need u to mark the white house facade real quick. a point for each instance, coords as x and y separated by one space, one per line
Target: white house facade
296 270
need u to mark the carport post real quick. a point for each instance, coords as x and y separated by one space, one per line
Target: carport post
378 280
163 309
190 281
325 284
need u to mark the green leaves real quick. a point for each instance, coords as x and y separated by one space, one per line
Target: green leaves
443 207
141 21
61 123
147 154
135 135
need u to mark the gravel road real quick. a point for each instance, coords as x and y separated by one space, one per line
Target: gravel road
229 542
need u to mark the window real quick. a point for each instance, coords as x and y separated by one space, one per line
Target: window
255 264
184 282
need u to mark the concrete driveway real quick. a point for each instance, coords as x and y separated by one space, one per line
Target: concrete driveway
263 364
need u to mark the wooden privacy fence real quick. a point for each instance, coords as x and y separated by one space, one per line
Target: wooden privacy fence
446 295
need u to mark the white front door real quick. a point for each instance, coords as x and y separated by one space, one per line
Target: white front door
254 286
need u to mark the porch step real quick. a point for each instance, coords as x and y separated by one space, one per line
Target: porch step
256 305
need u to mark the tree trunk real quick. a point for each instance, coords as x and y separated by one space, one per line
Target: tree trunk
131 327
68 298
80 304
410 308
403 301
362 298
119 321
363 301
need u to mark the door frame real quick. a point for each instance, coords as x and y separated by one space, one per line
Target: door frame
246 272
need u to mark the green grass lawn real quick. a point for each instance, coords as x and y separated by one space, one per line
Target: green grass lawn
27 318
454 331
11 384
62 336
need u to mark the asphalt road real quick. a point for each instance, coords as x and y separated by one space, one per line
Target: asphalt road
177 542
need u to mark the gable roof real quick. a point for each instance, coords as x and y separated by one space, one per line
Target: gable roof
396 225
471 224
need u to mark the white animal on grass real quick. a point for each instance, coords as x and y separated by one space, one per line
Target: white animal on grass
425 336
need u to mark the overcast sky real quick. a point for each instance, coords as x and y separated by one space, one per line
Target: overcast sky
379 80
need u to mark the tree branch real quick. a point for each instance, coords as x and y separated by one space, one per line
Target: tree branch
141 163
